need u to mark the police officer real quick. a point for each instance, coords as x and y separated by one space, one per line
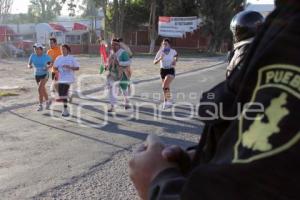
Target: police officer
257 156
244 27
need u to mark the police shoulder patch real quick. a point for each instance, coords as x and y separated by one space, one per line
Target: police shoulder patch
269 123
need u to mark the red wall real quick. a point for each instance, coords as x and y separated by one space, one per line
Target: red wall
139 43
5 32
196 40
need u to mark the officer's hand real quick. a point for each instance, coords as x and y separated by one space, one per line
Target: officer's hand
146 164
179 156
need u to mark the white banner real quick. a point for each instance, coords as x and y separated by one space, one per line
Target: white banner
177 26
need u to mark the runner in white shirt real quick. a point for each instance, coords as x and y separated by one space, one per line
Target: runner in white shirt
167 58
66 65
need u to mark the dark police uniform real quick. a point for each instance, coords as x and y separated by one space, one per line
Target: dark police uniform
257 156
244 26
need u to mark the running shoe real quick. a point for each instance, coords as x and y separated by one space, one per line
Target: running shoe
40 108
65 113
167 104
112 109
48 104
127 107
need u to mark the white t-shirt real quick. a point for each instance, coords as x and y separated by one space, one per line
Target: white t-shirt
166 62
65 75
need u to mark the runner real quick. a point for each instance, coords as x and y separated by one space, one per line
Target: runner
53 52
65 65
167 58
41 62
118 64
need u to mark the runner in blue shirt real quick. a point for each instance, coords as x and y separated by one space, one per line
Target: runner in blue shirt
41 63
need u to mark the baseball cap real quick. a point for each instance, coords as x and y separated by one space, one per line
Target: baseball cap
38 45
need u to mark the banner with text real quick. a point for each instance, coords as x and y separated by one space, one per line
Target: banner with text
177 26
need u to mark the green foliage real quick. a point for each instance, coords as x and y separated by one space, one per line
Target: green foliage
21 18
216 16
8 93
72 5
130 14
89 7
44 10
137 13
179 8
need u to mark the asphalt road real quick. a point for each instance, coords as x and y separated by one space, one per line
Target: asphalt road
43 156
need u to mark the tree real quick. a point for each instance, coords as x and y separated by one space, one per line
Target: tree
117 14
179 8
216 16
167 8
71 6
152 28
89 8
44 10
5 8
104 5
21 18
137 13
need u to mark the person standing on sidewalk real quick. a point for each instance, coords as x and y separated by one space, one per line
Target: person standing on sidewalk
65 64
167 57
41 62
